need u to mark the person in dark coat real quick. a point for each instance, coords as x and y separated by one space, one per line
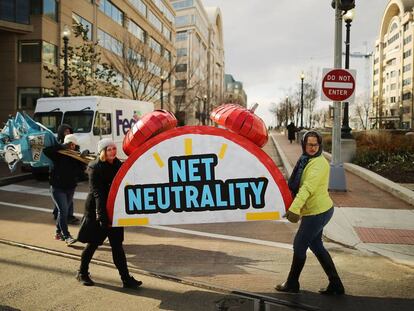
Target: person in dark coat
95 226
63 179
291 131
63 130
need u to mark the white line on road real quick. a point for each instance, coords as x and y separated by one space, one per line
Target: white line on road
179 230
39 191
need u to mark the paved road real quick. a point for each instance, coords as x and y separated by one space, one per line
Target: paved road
247 256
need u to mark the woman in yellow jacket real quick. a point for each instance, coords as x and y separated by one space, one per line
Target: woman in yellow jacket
309 186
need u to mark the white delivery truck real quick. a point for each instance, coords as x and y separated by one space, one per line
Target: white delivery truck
92 117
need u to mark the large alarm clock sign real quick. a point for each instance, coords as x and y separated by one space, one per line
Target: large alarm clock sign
197 174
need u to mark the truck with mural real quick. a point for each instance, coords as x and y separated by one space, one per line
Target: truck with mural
91 118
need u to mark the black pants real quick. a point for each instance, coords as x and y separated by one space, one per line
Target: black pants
116 237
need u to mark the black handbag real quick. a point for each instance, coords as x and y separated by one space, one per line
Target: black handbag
91 232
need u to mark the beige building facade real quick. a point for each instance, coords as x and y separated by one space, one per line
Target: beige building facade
199 78
393 72
233 91
30 38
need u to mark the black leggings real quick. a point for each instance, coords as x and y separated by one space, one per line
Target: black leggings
118 255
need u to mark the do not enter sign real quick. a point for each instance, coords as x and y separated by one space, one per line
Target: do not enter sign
338 85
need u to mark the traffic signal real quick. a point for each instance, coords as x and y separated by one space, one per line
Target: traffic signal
344 5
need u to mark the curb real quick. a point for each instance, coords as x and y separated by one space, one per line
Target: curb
16 178
285 161
381 182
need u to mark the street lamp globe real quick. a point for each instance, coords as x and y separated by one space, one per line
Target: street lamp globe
66 32
302 76
349 16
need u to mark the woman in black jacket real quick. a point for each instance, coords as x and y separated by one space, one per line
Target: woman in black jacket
95 226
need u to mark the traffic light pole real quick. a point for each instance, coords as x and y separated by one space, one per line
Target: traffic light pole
337 180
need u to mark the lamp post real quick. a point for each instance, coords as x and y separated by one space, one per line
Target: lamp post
287 110
302 77
204 113
65 35
348 17
401 115
162 91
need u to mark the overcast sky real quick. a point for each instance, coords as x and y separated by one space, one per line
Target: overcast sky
268 43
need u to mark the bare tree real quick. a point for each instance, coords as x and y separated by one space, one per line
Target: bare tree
87 74
362 108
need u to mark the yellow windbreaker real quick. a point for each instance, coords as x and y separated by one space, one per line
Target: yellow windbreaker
313 197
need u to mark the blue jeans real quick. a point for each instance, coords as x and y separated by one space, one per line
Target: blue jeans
309 234
63 199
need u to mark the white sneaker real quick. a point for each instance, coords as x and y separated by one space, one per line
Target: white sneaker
69 240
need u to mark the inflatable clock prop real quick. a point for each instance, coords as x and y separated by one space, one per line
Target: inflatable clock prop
197 174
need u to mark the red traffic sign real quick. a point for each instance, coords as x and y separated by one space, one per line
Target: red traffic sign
338 85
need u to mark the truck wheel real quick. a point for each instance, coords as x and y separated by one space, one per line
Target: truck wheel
241 121
150 125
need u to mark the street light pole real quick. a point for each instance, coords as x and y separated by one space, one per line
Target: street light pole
204 115
162 91
302 77
346 130
65 35
287 110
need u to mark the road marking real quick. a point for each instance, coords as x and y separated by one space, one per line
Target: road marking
172 229
39 191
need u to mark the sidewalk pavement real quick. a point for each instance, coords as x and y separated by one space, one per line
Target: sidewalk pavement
366 217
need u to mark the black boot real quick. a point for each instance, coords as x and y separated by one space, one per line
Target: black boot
292 283
335 286
130 282
85 279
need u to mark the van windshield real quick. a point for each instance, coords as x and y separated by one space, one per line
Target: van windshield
51 120
80 121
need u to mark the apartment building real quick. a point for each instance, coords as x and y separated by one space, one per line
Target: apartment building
233 91
392 86
31 37
199 79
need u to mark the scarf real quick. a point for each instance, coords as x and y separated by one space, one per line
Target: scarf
294 180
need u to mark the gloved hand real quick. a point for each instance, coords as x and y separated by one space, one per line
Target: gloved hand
84 153
292 217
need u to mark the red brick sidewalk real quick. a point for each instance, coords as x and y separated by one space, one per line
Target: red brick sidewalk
360 193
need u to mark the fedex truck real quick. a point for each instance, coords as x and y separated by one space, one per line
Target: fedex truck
92 117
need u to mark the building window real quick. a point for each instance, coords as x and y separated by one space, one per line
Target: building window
392 99
154 21
140 6
181 36
179 5
136 58
27 97
407 68
166 32
154 69
167 55
181 68
155 46
110 43
180 83
179 99
16 11
184 20
49 53
50 8
406 96
136 31
406 26
182 52
407 54
29 51
112 11
406 82
393 38
86 25
407 40
393 86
